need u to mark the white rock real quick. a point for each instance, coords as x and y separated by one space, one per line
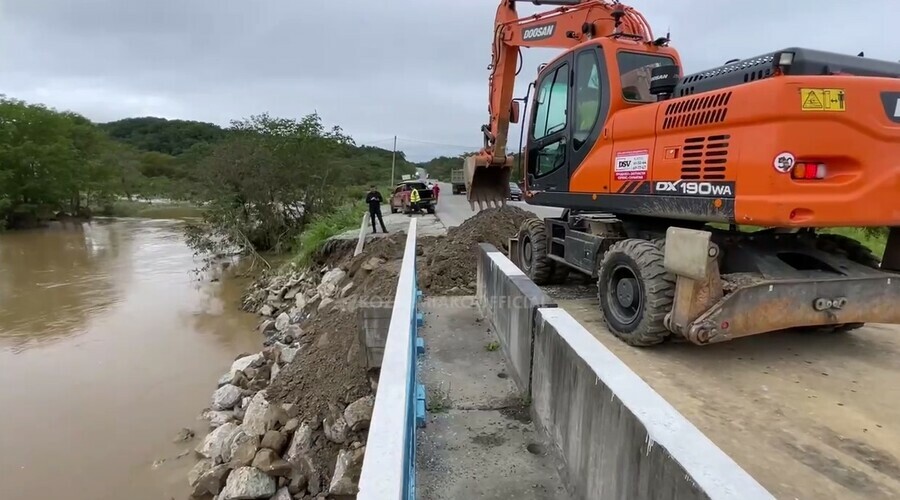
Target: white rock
211 481
358 414
219 418
300 445
291 293
282 321
325 304
336 429
347 469
346 290
289 353
214 442
225 379
275 371
372 263
300 301
258 418
245 362
330 282
226 397
242 449
247 483
202 467
282 494
266 310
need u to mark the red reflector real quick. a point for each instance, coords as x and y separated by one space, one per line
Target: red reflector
810 171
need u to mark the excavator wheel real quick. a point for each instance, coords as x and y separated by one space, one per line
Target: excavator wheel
533 252
635 292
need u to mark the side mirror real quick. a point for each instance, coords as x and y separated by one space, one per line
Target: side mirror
663 80
514 112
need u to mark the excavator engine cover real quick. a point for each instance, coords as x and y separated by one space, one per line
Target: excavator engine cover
487 184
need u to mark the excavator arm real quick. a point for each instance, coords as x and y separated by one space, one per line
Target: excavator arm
569 24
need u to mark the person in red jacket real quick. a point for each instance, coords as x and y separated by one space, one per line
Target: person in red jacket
436 189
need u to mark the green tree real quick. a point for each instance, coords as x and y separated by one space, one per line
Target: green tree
49 162
266 181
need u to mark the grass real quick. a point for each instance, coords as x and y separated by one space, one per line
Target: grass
874 241
492 346
347 216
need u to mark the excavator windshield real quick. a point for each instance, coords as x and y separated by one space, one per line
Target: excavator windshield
635 69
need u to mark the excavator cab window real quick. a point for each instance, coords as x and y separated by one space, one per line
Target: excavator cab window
587 96
550 120
635 69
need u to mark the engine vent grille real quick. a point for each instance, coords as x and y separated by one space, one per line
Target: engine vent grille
699 110
705 158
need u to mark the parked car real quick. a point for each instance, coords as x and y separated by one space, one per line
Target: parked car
515 193
400 197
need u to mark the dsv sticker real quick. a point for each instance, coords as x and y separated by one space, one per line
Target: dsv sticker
724 189
784 162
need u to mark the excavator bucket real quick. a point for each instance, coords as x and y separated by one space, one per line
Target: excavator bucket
487 184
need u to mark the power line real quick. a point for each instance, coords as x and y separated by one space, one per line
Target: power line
419 141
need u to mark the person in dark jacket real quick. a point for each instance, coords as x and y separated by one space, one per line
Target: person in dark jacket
374 199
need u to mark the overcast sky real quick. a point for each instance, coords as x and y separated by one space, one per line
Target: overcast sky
414 68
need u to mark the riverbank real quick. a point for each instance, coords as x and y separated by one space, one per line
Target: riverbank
291 420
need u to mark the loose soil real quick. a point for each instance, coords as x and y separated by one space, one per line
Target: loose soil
449 267
326 375
324 378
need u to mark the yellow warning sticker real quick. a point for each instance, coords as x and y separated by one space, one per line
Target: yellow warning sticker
823 100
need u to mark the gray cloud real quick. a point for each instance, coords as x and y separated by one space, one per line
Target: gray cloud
414 68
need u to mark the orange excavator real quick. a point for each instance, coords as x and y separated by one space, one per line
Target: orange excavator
697 202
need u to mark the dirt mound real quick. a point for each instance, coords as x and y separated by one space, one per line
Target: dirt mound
324 378
449 267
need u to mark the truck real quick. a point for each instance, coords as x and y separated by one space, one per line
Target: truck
400 198
458 180
701 204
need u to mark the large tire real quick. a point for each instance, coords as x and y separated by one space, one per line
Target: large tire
635 292
533 252
852 249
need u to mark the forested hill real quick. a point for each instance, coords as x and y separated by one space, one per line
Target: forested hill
58 162
171 137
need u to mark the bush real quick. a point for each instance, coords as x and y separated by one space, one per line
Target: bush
345 217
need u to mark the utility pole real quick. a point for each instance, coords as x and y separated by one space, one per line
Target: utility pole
393 162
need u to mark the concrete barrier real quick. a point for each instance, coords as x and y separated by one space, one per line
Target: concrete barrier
510 301
389 466
616 437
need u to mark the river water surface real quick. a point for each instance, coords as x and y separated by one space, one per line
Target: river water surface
109 345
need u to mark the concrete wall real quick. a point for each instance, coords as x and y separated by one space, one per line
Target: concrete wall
510 301
374 322
616 437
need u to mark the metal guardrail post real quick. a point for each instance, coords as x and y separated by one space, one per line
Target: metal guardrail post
389 466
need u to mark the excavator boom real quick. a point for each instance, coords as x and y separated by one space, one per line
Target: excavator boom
569 24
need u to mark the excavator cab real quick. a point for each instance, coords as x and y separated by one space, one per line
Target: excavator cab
574 97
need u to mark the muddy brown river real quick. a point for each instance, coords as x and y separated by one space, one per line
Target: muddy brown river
108 346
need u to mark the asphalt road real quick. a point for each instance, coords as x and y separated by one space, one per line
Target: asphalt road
453 209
